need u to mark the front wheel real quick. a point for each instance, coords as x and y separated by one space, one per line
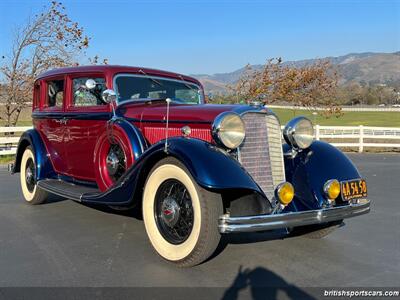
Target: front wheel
181 218
32 193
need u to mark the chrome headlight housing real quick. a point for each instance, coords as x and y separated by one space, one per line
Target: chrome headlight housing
228 130
299 133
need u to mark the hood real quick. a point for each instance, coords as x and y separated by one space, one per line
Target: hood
203 113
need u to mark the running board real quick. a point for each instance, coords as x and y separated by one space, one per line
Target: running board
66 189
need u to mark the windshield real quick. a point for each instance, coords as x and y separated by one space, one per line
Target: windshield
137 87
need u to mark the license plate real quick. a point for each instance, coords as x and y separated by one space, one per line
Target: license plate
353 189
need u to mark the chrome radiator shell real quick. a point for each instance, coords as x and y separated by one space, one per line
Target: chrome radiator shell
261 153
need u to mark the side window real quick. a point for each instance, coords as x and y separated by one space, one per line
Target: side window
88 91
55 93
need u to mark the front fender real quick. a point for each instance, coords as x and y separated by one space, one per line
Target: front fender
311 168
211 168
44 168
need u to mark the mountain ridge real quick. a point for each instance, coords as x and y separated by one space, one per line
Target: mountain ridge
366 68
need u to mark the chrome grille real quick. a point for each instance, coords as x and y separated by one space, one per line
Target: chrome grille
261 152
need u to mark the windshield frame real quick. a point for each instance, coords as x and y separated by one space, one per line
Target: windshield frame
149 76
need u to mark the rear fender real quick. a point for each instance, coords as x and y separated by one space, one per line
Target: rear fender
128 137
44 168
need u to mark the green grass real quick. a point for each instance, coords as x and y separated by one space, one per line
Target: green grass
6 159
349 118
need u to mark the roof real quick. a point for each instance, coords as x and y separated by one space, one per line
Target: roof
115 69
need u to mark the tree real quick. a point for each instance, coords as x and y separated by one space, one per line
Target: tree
47 40
351 94
307 85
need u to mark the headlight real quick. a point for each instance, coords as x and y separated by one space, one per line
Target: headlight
299 133
228 130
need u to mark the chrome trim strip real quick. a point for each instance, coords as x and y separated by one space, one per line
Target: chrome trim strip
229 224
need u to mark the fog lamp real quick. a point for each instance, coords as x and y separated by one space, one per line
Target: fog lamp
332 189
284 192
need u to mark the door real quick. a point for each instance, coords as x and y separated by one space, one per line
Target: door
87 116
50 121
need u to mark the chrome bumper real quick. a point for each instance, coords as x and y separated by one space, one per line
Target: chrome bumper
292 219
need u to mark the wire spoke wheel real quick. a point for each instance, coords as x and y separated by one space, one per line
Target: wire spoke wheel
31 192
30 175
174 211
180 217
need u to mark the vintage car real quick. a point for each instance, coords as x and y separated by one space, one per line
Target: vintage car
131 138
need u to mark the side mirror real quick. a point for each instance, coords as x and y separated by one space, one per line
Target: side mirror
90 84
109 96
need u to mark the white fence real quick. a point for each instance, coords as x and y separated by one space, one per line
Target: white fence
9 137
348 136
344 108
365 136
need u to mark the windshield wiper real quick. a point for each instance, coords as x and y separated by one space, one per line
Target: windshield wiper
150 78
187 85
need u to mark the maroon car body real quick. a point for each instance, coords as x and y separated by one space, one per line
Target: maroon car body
131 137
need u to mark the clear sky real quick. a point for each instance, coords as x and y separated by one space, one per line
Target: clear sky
195 37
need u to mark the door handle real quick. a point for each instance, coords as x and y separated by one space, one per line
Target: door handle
61 121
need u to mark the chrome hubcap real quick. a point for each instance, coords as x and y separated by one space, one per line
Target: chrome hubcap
30 175
112 163
170 211
115 162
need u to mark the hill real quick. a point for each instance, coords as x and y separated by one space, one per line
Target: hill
365 68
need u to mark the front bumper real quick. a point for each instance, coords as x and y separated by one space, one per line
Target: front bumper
229 224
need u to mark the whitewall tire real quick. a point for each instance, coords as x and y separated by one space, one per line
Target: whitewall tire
181 218
32 194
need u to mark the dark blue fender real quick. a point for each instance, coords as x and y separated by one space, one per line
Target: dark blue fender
138 143
211 167
311 168
44 168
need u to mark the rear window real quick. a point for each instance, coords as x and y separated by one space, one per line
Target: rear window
55 93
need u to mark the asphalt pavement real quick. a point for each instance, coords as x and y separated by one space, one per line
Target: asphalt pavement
65 243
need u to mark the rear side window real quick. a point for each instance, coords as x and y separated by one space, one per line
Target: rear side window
55 93
88 95
36 95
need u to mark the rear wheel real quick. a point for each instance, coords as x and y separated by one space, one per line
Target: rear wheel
181 218
32 193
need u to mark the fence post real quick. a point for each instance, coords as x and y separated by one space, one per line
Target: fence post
317 132
361 140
